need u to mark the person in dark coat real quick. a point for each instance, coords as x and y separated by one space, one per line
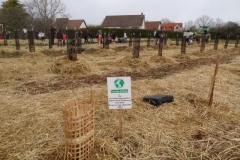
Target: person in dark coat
113 36
52 35
157 36
85 36
91 37
36 35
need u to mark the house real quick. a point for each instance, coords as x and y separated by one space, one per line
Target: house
125 21
70 24
153 25
176 27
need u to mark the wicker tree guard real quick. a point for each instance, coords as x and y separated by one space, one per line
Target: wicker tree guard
71 44
31 43
183 46
17 37
79 128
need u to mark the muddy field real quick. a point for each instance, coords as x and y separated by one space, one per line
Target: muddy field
35 86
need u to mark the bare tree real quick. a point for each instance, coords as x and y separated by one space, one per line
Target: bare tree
218 25
231 27
204 21
189 26
165 20
44 12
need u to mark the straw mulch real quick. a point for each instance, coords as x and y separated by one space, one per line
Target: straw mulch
160 59
129 49
133 63
182 57
184 129
167 47
122 48
31 126
153 48
65 66
106 52
207 53
126 61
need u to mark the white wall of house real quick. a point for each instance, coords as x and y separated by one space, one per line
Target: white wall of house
83 25
177 28
143 25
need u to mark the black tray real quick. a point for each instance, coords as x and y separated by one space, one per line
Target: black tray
158 99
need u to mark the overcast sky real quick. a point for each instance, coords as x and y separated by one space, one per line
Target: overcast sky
94 11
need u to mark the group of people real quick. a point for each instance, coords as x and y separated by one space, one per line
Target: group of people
40 35
87 36
61 38
112 38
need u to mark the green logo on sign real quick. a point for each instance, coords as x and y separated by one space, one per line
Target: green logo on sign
118 83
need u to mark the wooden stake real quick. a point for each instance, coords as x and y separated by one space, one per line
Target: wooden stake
213 82
75 38
67 42
120 124
93 97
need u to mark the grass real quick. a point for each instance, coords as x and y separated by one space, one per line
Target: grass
91 50
4 54
41 44
34 62
105 69
54 53
18 79
49 61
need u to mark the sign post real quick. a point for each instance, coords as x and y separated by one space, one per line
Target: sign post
120 124
119 96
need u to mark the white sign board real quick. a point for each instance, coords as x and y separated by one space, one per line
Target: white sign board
119 92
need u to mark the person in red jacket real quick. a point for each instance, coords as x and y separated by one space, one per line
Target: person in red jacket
64 37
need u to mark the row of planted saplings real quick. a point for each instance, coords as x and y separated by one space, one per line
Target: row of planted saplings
204 42
136 39
74 42
30 37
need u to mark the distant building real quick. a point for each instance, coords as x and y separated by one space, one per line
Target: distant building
70 24
176 27
153 25
125 21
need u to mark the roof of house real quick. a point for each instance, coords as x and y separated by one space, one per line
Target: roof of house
70 24
75 23
123 21
61 22
152 24
168 26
